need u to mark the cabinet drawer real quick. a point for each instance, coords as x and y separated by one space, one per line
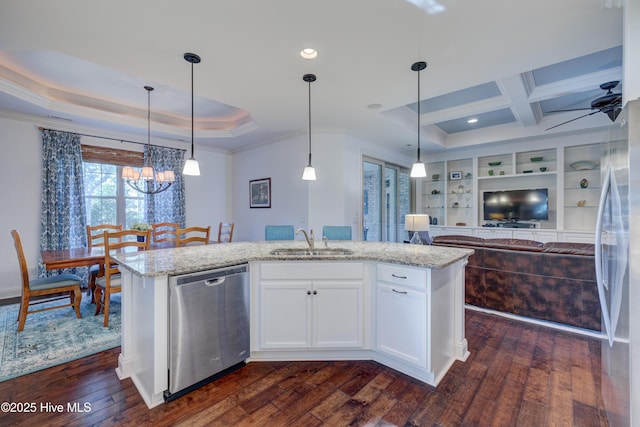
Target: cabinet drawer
301 270
402 275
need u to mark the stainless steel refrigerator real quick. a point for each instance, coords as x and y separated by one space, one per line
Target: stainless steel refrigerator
618 268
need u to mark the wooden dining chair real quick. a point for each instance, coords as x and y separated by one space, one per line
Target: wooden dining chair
165 231
193 234
95 236
45 289
225 232
111 281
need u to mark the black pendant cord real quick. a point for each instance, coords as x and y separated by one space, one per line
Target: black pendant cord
309 78
192 110
419 66
309 122
147 161
418 116
193 59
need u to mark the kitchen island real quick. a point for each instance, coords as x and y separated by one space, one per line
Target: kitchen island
401 305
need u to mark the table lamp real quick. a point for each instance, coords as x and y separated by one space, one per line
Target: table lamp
417 223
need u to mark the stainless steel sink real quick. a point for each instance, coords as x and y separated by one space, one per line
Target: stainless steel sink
307 252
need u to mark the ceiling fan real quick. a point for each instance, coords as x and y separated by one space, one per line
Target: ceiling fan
610 104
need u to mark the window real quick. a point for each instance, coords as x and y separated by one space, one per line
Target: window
386 196
108 199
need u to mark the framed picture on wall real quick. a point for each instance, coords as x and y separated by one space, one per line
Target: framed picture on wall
260 193
455 175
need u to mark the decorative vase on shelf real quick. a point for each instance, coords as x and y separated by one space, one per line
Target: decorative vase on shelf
584 183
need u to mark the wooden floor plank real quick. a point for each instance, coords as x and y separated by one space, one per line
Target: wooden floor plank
517 374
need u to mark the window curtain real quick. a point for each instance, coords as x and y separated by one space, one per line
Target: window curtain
169 205
63 218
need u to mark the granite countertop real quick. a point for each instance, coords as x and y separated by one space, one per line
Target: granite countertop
205 257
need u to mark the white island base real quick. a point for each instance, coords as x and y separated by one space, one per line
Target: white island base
409 318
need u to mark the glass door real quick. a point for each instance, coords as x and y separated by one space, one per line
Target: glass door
386 199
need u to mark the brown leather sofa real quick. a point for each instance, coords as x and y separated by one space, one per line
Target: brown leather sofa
552 281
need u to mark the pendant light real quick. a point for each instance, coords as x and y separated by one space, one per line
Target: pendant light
418 169
309 173
191 166
152 182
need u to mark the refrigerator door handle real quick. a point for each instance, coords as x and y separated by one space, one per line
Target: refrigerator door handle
606 187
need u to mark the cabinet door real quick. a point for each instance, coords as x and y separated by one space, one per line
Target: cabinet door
338 314
492 233
285 314
538 236
402 323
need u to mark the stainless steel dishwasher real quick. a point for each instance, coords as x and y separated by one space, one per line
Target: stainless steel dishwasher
208 327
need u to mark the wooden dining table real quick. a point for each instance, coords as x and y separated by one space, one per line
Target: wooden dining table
83 257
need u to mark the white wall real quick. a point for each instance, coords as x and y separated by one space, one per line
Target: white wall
283 162
335 198
20 167
207 196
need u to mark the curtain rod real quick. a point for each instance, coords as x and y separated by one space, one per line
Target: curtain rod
109 138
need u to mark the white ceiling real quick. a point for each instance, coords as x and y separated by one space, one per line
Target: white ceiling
84 64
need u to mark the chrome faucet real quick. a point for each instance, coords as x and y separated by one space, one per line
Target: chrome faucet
308 237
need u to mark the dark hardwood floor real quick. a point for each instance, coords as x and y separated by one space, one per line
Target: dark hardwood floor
517 375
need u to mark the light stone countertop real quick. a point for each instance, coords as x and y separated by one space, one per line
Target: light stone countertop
206 257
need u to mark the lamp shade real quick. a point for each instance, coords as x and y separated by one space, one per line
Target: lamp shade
191 167
418 170
416 222
309 173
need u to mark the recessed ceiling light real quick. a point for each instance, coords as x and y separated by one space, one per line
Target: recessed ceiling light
471 121
308 53
374 106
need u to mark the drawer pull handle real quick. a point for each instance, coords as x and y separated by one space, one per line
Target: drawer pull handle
399 292
398 277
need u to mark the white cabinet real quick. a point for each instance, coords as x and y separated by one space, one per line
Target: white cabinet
415 319
538 236
570 236
337 313
284 314
493 233
311 305
401 315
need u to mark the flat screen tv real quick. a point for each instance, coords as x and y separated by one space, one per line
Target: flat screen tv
511 205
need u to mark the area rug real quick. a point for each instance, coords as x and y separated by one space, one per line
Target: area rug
54 337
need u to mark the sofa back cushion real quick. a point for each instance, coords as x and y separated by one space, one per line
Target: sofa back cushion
514 244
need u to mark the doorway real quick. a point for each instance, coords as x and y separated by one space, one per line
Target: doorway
386 196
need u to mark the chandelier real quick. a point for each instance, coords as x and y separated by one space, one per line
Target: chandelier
148 181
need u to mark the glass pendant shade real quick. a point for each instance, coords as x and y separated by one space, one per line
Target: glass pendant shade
191 167
309 173
418 170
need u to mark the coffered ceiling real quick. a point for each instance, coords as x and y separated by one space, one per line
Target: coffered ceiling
78 65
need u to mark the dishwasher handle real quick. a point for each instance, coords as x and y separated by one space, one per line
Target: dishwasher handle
215 282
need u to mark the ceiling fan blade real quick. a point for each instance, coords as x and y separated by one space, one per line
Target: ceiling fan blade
572 120
571 109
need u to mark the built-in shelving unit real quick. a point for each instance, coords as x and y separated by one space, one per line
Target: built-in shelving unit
460 193
581 186
433 192
452 192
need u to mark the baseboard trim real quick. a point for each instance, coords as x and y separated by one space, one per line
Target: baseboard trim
545 323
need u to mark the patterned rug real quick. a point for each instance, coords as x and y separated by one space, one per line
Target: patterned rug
54 337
